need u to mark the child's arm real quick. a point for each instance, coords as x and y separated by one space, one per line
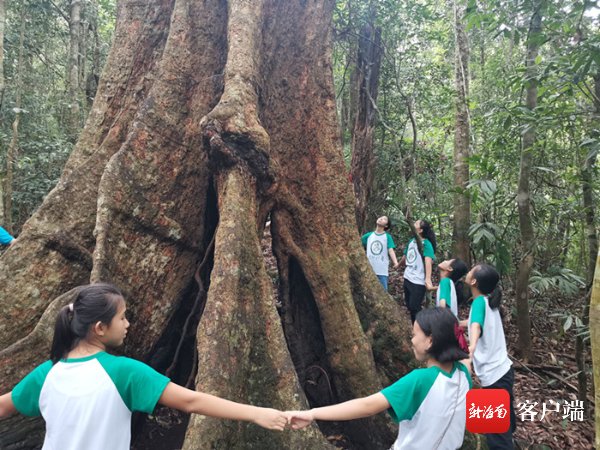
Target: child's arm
352 409
7 407
392 254
186 400
428 270
474 334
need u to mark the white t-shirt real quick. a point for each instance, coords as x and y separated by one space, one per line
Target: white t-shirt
415 271
430 407
447 291
378 246
490 359
87 402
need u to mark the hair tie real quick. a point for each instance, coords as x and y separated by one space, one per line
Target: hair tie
71 307
460 337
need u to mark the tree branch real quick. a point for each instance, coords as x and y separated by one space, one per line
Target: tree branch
60 12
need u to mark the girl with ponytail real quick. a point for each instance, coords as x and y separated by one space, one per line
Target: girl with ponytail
487 346
87 396
417 275
429 404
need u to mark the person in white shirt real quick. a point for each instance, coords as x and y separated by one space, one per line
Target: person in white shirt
417 275
429 404
380 249
86 395
487 344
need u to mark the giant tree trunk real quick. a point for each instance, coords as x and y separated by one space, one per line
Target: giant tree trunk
233 122
367 81
462 201
523 193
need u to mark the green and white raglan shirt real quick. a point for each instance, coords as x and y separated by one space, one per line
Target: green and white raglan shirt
430 406
415 270
378 246
490 359
447 291
87 402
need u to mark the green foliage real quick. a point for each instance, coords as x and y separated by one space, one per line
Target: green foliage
44 142
418 72
572 323
557 279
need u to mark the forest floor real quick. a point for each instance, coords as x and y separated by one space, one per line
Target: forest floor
552 377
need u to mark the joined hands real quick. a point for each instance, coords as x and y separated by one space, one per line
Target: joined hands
273 419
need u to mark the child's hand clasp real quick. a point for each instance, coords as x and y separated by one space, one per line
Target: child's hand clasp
271 419
299 419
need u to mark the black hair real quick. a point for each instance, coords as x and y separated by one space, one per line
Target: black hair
428 233
389 224
94 303
459 270
487 282
440 324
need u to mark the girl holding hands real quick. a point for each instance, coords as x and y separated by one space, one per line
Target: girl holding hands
86 396
429 404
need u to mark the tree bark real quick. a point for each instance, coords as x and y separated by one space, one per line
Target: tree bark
91 80
595 342
233 122
523 193
242 358
587 178
462 201
367 82
2 23
73 67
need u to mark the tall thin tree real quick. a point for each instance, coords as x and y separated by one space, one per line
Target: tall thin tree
73 67
587 187
462 201
523 191
595 342
366 81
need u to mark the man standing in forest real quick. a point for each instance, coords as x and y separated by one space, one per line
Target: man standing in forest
375 242
6 238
